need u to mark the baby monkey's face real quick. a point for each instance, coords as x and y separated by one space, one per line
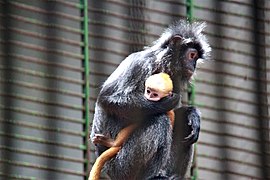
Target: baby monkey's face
154 94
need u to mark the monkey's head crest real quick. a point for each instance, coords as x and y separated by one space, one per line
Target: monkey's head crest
190 33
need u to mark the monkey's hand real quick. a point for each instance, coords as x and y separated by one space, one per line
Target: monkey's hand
193 118
187 124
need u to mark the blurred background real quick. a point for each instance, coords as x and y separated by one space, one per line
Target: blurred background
55 54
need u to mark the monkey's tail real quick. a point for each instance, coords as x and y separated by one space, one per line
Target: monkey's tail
101 160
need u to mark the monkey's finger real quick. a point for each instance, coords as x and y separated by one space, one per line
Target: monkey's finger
189 137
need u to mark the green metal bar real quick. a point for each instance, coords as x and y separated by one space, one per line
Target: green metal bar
190 10
84 6
191 93
191 88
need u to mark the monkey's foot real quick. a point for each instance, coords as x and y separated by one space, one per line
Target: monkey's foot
193 117
103 140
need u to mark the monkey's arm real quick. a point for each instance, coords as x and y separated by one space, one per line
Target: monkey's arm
185 133
135 105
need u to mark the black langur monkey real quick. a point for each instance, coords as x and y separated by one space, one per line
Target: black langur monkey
153 150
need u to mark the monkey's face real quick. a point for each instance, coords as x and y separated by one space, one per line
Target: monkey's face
183 55
189 63
154 94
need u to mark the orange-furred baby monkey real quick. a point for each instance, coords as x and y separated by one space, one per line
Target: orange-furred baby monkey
157 86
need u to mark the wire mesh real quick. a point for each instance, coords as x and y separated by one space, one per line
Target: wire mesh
42 122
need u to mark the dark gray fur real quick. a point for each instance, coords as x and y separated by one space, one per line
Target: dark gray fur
153 151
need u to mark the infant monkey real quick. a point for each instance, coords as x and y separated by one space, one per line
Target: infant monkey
157 86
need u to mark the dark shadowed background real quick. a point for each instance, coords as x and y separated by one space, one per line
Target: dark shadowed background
43 81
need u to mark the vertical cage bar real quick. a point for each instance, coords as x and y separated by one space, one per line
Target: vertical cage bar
260 63
86 88
190 10
191 92
191 88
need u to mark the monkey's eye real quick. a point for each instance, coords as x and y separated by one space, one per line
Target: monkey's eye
155 94
148 91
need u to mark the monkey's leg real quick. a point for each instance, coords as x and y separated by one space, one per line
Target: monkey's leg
185 133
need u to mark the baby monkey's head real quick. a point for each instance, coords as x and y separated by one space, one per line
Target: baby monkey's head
158 86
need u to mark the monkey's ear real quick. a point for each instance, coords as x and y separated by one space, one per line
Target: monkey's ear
176 39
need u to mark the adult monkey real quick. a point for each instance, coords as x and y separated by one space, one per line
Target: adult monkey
153 150
157 87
